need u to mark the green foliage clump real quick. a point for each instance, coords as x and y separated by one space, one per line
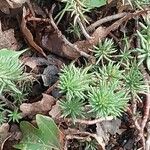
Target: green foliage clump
3 117
75 30
14 116
11 70
10 75
134 81
104 50
125 57
103 98
74 81
78 8
144 50
73 108
107 100
110 72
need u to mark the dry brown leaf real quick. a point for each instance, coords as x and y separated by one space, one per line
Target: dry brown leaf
42 106
4 134
55 111
107 128
8 40
5 5
28 35
33 62
54 43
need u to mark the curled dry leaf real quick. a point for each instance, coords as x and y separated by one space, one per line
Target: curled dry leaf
28 35
34 63
107 128
5 5
55 111
42 106
4 134
54 43
8 40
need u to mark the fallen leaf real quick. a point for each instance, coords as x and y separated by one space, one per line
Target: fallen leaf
47 136
55 111
4 134
43 106
107 128
5 5
28 35
8 40
53 42
33 62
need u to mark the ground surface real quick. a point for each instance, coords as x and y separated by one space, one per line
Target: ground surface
32 25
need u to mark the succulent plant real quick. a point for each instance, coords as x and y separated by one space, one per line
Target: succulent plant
73 108
104 50
75 81
134 81
106 100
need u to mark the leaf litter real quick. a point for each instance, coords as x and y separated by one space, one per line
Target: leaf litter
50 49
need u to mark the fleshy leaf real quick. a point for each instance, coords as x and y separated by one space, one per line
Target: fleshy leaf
45 137
94 3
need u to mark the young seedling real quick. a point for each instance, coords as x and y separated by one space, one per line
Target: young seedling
75 81
104 50
72 108
134 82
106 100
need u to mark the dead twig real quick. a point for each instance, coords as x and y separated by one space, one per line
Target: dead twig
74 47
70 137
37 19
87 122
49 90
104 20
141 126
75 132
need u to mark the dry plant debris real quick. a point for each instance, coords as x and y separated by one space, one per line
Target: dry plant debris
107 43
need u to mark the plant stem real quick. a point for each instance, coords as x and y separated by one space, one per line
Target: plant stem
7 102
104 20
88 122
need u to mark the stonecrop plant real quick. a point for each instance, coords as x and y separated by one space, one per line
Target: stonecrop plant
78 8
134 82
125 55
104 50
105 88
110 72
144 50
11 72
73 108
107 100
103 98
74 81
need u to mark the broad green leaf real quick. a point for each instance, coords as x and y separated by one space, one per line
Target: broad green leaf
49 129
94 3
45 137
